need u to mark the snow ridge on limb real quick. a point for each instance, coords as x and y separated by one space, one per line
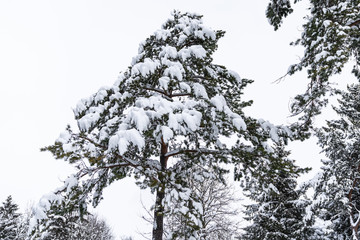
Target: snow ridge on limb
168 112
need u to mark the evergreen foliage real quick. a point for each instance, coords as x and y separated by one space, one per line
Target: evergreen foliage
168 112
59 223
65 226
59 215
277 10
62 220
9 219
279 211
331 39
337 193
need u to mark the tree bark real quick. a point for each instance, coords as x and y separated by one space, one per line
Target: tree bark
158 228
355 227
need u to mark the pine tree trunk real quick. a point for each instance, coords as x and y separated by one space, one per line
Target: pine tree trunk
158 228
355 227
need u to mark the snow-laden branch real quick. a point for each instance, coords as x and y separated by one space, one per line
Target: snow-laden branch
184 151
165 94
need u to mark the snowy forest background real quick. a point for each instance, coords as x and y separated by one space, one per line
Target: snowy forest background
55 53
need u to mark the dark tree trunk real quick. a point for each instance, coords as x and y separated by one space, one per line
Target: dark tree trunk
158 228
355 228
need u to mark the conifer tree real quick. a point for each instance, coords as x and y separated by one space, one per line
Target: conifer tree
58 214
278 211
330 38
9 219
166 114
63 221
337 192
59 223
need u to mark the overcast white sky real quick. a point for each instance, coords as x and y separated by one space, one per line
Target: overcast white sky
53 53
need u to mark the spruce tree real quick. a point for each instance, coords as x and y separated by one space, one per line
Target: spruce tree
59 224
331 39
168 112
279 210
60 219
9 219
337 192
58 214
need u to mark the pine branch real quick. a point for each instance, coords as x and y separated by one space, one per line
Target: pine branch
184 151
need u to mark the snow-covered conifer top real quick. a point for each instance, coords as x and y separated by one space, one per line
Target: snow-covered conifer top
171 89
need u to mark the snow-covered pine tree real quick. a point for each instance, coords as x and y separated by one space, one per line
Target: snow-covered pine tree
59 223
168 112
337 192
58 215
62 220
330 38
278 211
9 219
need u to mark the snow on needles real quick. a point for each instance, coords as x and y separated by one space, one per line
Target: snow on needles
183 116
